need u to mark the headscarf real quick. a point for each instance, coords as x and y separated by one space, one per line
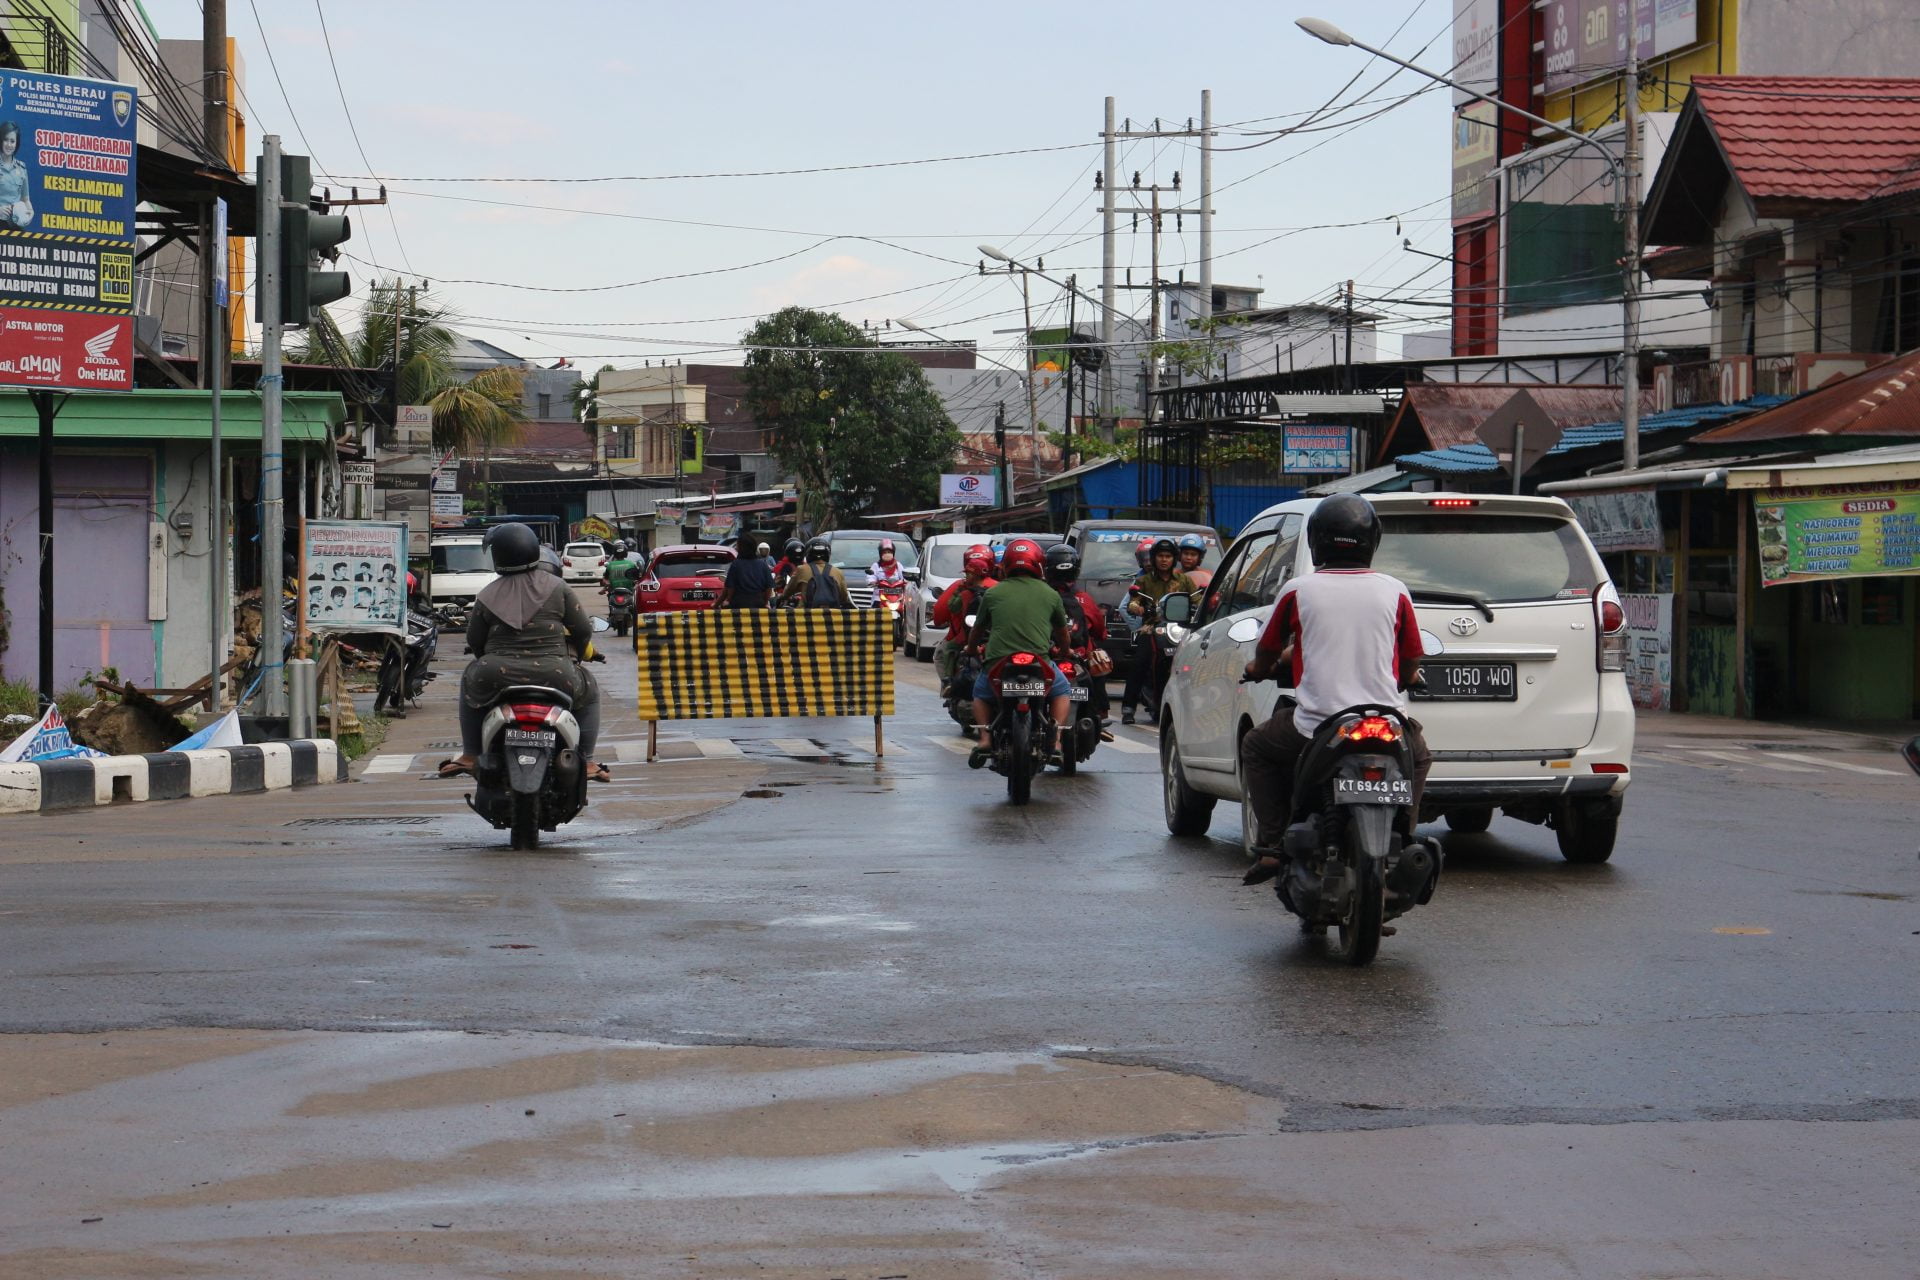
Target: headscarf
515 598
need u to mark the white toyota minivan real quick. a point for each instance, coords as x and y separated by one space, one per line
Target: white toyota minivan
1525 707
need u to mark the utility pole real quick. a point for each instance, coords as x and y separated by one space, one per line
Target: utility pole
1153 309
1066 446
213 339
1206 204
1630 311
1346 376
1001 485
1033 408
1107 213
1156 212
272 511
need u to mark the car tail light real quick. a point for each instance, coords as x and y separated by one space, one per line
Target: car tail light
566 561
1453 502
1609 768
1610 619
1370 729
535 713
649 585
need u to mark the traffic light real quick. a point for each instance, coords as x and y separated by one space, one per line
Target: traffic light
308 237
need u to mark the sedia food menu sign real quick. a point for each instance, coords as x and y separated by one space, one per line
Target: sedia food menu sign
1851 532
67 197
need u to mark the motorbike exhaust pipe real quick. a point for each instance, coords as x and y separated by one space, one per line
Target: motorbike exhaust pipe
1416 872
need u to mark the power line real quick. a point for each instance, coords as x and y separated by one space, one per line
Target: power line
354 129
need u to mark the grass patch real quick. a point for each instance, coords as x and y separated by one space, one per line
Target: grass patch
22 698
373 732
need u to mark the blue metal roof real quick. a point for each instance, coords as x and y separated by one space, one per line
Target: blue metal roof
1462 459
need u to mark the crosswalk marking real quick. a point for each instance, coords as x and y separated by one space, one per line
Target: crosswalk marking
959 746
1760 760
1836 764
718 748
388 764
631 752
1131 746
893 748
797 746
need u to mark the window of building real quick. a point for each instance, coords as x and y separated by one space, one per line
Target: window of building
546 406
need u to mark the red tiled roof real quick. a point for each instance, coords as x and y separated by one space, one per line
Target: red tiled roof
1450 413
1816 137
1882 401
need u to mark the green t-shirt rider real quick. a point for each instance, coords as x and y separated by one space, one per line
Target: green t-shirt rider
622 570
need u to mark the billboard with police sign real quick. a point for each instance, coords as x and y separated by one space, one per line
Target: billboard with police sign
967 490
67 197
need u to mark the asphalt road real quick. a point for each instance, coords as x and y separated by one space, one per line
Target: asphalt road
1045 1041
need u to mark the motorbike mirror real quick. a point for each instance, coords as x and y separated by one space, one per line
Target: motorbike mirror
971 618
1176 606
1430 644
1911 753
1176 633
1243 630
601 624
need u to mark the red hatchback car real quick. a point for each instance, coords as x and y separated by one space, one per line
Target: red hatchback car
683 577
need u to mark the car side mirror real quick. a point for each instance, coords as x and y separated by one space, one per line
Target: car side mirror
1176 606
1911 753
911 575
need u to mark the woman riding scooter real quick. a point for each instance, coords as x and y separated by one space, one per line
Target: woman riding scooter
526 628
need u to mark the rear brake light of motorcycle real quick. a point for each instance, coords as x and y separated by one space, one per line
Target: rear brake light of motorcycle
535 713
1373 773
1610 620
1370 729
1022 659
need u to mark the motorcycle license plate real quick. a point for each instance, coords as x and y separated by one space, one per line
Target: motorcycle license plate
531 737
1362 791
1468 682
1023 689
1078 695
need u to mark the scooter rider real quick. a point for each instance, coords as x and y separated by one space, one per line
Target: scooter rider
1351 637
1193 551
1161 578
886 571
817 583
526 628
793 554
961 598
621 571
1021 614
1086 626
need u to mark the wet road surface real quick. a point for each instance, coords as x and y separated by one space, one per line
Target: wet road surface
776 1005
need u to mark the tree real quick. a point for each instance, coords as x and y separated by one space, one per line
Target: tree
850 419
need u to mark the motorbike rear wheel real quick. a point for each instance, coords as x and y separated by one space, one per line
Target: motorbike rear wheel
525 832
1366 913
390 685
1019 758
1067 743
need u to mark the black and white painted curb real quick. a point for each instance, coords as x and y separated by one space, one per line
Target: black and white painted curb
168 775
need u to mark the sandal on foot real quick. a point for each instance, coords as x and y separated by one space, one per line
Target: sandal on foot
600 773
452 769
1262 871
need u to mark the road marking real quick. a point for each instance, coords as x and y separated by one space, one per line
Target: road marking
959 746
1835 764
718 748
631 752
1753 758
893 747
1132 746
1743 930
797 746
388 764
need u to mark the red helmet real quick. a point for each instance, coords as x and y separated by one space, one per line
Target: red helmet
1023 556
978 558
1143 551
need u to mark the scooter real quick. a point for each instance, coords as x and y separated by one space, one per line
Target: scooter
1022 731
1163 637
404 664
892 596
619 608
529 776
1352 861
1079 742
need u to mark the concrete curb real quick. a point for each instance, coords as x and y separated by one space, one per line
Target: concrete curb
169 775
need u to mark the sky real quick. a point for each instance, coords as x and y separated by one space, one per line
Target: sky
456 106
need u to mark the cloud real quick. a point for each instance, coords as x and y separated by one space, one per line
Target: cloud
841 276
616 67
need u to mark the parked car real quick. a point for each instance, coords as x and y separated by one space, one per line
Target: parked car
582 561
853 550
1107 567
683 576
1525 708
939 567
461 567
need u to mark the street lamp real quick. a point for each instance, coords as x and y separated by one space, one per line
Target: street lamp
1626 169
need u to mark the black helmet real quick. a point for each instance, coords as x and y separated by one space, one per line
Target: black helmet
515 547
819 549
1167 545
1343 532
1063 564
550 561
795 550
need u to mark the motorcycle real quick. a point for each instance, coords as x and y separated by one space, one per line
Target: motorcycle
892 596
619 608
1022 731
1163 637
529 776
404 672
960 692
1352 861
1084 736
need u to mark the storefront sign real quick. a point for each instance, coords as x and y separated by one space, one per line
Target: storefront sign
1475 156
1588 39
1476 48
356 574
967 490
1856 531
1619 521
1308 450
1649 650
356 473
447 509
66 232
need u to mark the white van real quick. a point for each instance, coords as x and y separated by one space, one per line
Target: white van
461 567
1525 709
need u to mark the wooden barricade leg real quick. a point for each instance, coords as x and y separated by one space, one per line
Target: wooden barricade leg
879 735
653 740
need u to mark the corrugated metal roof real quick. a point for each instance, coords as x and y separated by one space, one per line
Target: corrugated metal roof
1881 401
1450 412
1816 137
1467 458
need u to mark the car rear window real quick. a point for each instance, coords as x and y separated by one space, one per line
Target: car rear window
860 553
1108 553
585 549
691 566
1494 557
943 559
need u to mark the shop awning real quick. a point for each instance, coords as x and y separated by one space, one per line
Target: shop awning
149 415
1900 462
1463 459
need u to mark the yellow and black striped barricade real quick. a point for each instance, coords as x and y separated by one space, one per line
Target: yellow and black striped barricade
733 663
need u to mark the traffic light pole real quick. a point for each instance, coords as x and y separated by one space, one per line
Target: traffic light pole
272 509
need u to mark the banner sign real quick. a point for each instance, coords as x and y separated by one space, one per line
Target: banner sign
447 509
1309 450
1853 531
66 232
356 576
1627 521
1588 39
1649 650
716 526
49 739
1476 48
595 527
968 490
356 473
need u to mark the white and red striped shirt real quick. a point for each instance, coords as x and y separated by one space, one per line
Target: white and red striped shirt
1354 635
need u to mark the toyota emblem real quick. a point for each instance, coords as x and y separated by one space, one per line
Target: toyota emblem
1463 626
